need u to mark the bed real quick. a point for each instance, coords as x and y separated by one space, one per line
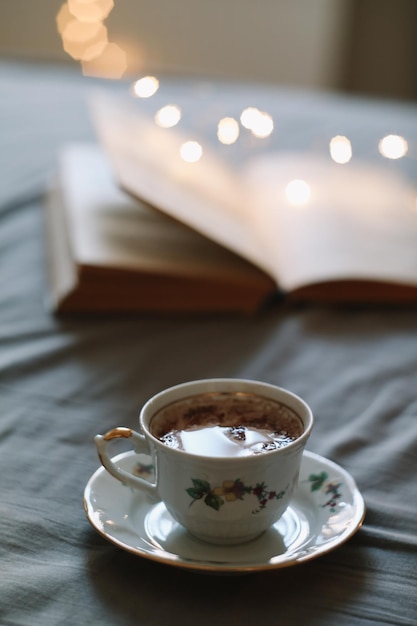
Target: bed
64 379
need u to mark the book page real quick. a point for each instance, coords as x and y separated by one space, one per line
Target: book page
299 216
206 195
340 222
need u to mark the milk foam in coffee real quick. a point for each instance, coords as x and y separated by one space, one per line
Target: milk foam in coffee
226 424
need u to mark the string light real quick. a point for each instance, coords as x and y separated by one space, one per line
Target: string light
340 149
298 192
227 130
393 147
145 87
168 116
84 37
93 11
80 24
191 151
248 117
258 122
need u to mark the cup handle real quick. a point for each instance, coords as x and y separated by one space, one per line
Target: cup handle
140 445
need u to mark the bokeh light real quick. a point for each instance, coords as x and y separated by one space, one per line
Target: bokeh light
340 149
258 122
228 130
248 117
92 11
111 63
145 87
84 44
168 116
63 17
263 126
85 39
298 192
393 146
191 151
80 32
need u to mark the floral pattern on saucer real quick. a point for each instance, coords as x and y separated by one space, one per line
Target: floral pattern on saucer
330 488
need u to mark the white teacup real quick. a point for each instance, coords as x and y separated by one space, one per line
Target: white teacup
224 499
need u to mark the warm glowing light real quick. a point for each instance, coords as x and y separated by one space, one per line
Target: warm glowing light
92 11
63 18
393 147
168 116
86 50
298 192
263 126
260 123
340 149
80 32
111 63
227 130
146 87
248 117
84 37
191 151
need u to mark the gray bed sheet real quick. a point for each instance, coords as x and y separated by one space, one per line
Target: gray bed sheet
64 380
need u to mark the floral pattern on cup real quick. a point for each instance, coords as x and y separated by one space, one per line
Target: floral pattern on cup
230 491
319 482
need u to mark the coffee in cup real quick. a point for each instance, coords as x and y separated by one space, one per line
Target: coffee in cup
226 424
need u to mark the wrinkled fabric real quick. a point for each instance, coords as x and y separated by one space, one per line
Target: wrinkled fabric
62 380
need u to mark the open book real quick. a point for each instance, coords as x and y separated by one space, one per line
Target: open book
318 229
109 252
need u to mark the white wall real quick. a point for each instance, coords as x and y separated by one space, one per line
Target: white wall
294 42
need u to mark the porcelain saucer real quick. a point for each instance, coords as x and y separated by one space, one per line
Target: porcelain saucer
326 510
